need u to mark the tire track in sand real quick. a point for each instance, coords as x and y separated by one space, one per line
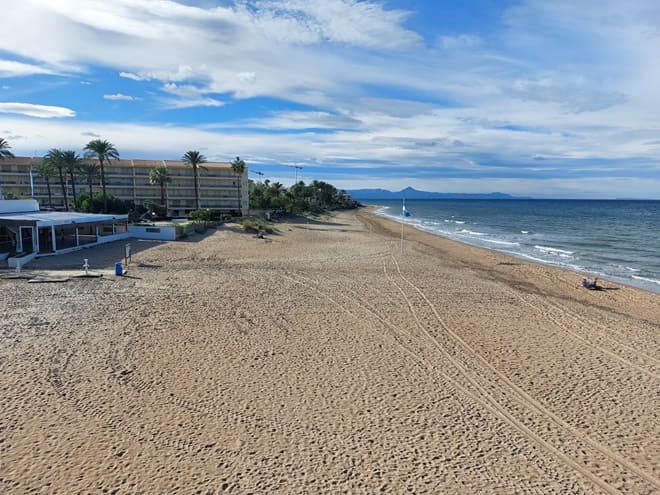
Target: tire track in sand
546 315
590 324
473 389
523 397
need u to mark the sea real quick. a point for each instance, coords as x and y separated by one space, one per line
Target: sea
618 240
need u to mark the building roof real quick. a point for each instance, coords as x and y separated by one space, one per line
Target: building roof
127 163
48 218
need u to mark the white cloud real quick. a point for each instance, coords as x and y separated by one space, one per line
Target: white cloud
39 111
247 77
558 80
134 77
11 68
119 97
341 21
297 121
192 102
181 73
188 96
250 49
459 42
573 97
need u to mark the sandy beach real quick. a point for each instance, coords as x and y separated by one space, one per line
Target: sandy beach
327 358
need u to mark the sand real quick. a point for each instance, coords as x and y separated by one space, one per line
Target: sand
328 358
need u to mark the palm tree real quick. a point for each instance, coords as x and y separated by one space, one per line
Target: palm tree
195 159
55 158
238 167
47 171
4 150
102 150
89 172
72 163
159 176
4 153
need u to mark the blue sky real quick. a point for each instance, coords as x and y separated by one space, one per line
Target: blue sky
545 98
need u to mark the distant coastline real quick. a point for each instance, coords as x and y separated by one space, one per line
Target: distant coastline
412 193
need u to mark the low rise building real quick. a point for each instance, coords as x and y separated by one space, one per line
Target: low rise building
219 187
27 232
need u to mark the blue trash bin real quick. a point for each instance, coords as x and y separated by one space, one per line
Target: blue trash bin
119 270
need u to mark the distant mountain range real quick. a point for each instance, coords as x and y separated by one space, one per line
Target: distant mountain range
410 193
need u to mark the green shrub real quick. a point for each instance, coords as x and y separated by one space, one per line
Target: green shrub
208 216
255 225
200 216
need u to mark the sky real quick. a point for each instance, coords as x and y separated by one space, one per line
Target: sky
540 98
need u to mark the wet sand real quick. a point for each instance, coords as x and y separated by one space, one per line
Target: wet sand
328 358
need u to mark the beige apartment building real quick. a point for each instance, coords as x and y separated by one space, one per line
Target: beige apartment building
219 187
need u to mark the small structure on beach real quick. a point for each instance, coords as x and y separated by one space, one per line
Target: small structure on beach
26 232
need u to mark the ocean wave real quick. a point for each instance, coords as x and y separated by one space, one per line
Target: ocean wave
547 249
623 268
471 232
570 266
646 279
524 231
526 256
504 243
459 222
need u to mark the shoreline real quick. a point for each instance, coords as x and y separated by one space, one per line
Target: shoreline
538 277
582 273
625 271
324 359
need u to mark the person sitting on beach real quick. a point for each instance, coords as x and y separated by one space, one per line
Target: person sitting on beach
590 285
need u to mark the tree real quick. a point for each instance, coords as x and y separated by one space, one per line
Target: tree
89 172
195 159
103 150
55 157
72 163
159 176
238 167
4 153
4 150
47 171
325 193
275 195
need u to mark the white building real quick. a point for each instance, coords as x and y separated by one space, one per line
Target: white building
26 232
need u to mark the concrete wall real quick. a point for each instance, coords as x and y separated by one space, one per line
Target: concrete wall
23 260
157 232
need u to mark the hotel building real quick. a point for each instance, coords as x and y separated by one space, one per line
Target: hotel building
219 187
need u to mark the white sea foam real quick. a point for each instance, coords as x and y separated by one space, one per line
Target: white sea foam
504 243
646 279
551 250
459 222
524 231
471 232
525 255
